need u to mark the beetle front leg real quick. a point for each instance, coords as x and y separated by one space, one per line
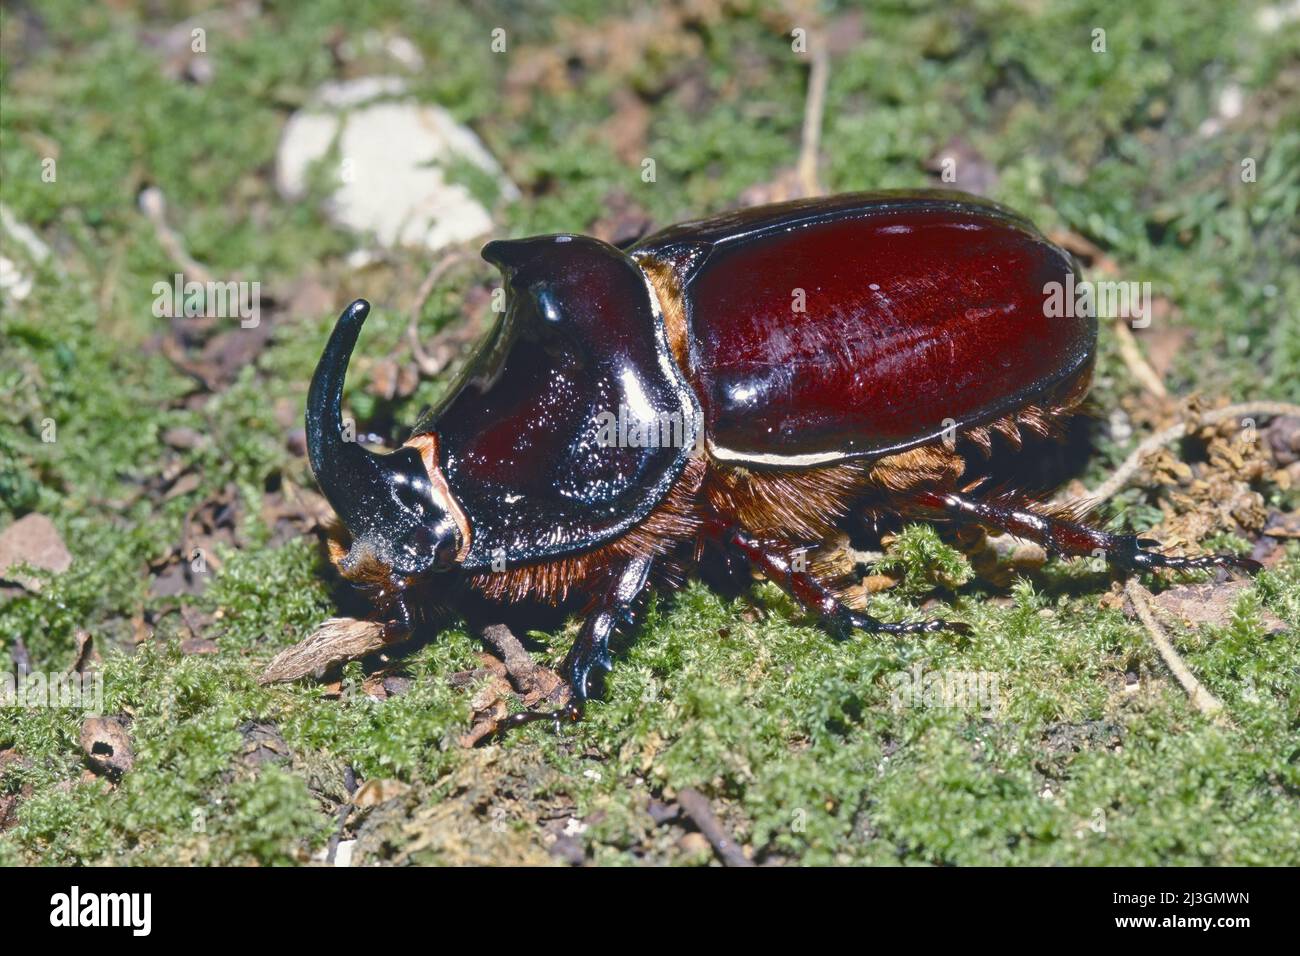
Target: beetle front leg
401 621
1072 538
591 649
816 597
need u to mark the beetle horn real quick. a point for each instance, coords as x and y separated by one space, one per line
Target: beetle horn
336 461
385 500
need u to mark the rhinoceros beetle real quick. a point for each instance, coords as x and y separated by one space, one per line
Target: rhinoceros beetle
748 382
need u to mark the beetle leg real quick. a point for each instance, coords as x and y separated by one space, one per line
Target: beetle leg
401 622
816 597
591 649
1072 538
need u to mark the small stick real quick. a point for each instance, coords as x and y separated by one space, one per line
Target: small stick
154 206
332 848
814 109
429 365
21 658
697 807
1202 699
532 679
1131 353
533 682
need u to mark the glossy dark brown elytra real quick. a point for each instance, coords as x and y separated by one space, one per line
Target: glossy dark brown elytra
753 383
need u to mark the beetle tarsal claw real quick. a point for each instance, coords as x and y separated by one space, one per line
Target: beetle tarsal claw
1134 554
1151 560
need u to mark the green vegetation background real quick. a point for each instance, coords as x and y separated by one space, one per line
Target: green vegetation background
791 735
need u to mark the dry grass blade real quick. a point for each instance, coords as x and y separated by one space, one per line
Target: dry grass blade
431 364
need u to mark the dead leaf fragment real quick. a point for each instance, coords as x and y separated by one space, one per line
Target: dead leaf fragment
961 163
32 540
9 809
263 744
1283 525
375 792
86 654
1211 603
1283 436
107 745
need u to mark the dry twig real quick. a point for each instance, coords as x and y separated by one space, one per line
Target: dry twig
337 640
532 680
1201 698
696 806
814 110
154 206
536 684
1131 353
1204 701
430 365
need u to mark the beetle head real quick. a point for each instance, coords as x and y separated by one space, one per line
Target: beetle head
386 501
